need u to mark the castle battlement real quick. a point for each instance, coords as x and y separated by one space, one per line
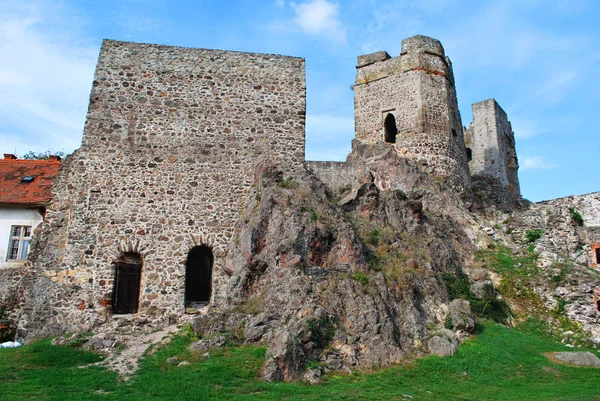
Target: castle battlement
410 102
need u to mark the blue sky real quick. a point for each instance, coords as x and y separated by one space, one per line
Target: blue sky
539 59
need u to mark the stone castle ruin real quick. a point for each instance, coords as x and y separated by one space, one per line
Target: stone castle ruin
145 210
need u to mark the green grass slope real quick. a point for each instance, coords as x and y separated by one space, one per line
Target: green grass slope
499 363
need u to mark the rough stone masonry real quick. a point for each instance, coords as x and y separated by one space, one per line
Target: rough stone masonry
144 212
169 145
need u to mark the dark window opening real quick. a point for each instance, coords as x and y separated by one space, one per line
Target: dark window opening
28 178
453 132
198 274
469 154
598 255
126 289
389 127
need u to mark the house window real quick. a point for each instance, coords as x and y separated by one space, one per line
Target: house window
18 246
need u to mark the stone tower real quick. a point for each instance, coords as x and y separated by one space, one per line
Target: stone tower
491 150
143 211
410 101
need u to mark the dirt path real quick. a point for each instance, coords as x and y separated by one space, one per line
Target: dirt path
125 362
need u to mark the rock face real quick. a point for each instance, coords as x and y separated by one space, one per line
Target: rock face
359 277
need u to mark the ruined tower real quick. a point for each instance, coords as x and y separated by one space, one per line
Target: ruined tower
410 101
490 143
143 211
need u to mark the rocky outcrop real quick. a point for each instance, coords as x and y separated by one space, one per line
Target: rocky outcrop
349 281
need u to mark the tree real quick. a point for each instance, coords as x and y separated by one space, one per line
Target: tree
42 155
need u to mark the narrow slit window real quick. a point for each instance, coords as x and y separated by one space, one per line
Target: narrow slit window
469 154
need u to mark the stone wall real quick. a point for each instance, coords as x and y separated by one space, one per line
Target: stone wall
337 176
491 142
170 142
10 277
417 88
563 237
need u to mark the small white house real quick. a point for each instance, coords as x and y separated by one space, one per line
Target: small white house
25 188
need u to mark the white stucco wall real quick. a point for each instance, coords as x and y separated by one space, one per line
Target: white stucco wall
14 217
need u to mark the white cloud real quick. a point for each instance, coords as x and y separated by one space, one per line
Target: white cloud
45 78
535 163
320 17
280 3
524 128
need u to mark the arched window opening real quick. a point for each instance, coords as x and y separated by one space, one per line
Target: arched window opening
389 128
198 275
126 288
469 154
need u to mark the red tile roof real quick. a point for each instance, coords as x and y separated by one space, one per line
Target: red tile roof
15 191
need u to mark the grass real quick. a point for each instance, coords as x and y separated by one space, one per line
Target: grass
497 364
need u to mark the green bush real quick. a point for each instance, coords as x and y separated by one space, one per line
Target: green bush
361 277
448 324
577 217
489 307
322 331
533 235
374 237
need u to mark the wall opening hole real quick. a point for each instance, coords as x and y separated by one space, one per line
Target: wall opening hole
390 130
453 132
198 275
126 289
598 255
469 154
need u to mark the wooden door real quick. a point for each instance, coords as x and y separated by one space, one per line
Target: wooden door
126 292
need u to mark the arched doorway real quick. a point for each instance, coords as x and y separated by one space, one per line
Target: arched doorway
126 288
389 128
198 274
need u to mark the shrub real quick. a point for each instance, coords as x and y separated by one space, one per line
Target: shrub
374 237
322 331
489 307
361 277
314 216
448 324
533 235
287 184
577 217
